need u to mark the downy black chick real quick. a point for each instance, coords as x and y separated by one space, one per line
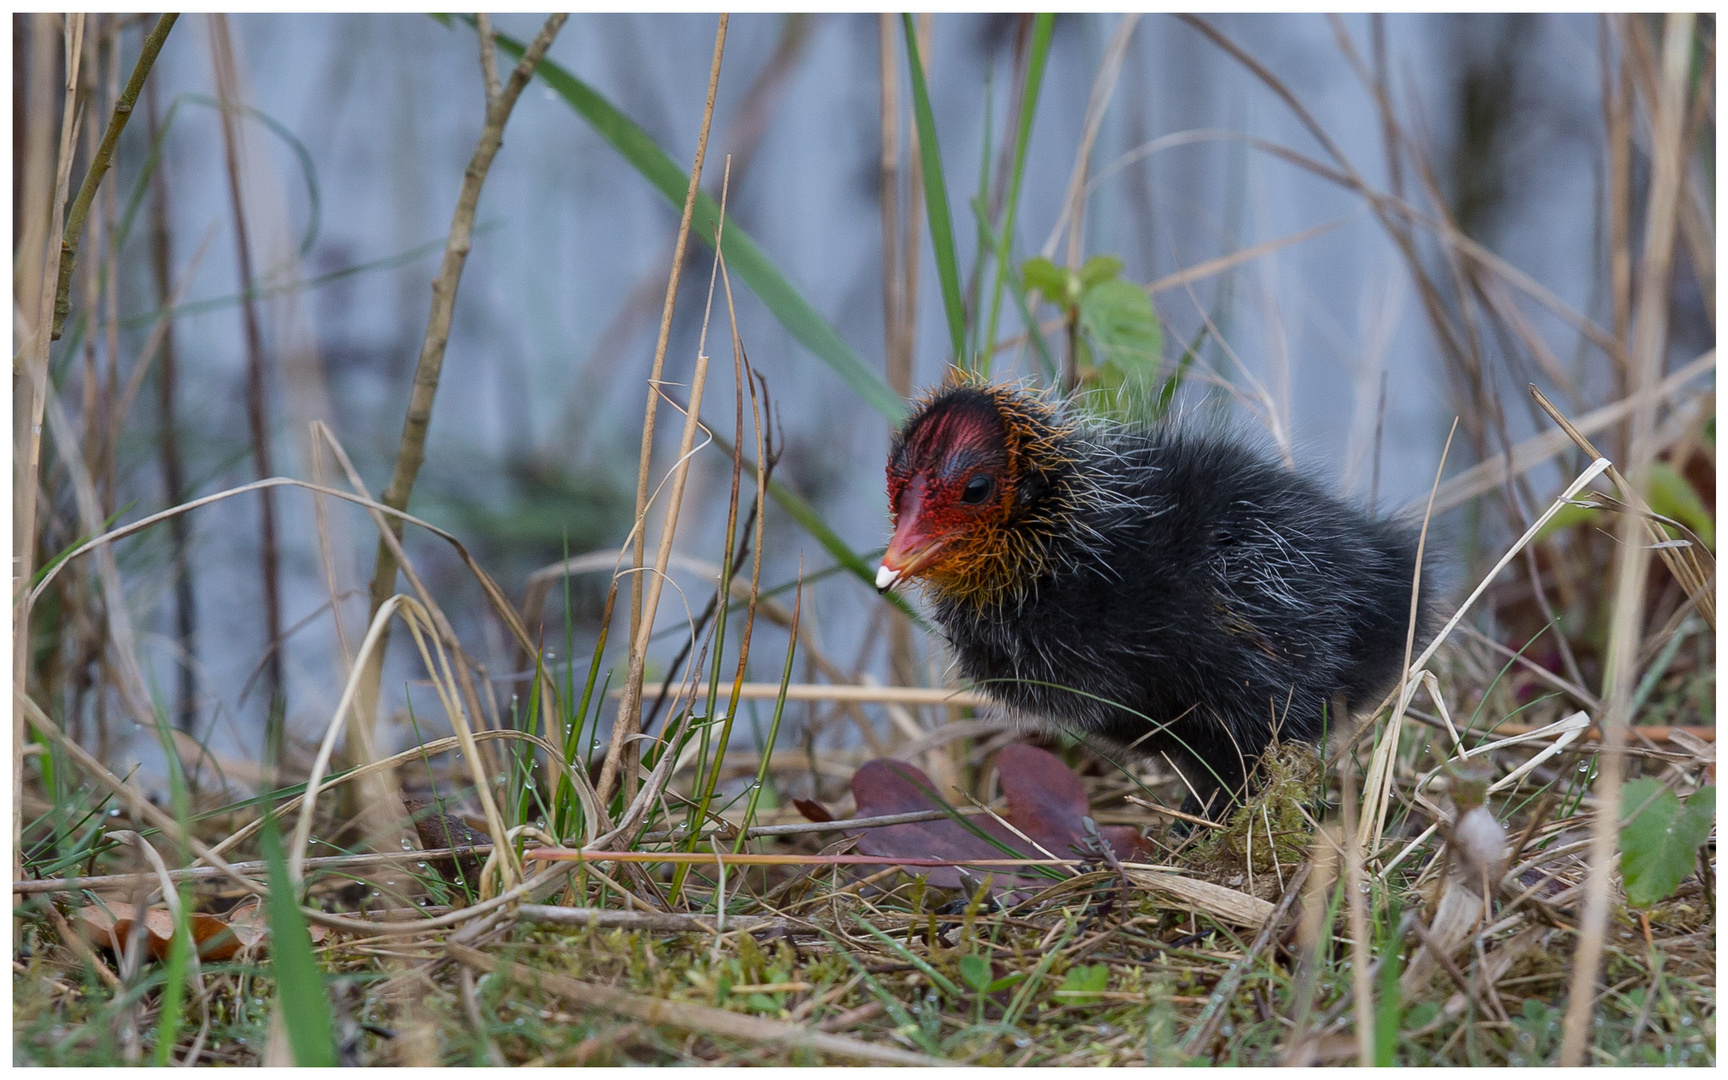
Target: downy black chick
1166 589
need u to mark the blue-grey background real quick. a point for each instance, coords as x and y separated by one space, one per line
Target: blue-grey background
535 433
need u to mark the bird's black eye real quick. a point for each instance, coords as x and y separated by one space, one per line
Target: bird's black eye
977 489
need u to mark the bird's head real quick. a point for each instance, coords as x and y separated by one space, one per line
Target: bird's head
966 476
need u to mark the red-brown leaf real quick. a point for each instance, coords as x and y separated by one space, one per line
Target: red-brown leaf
1046 801
812 810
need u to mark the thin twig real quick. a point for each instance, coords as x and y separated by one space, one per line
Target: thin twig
412 450
99 163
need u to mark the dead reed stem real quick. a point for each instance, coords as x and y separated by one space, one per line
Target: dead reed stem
629 719
1103 86
257 419
99 163
41 267
411 452
1649 342
619 750
173 476
899 279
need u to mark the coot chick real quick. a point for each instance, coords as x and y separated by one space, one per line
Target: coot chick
1164 588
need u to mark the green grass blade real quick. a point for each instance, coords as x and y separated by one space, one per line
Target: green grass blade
308 171
1017 289
936 199
743 257
975 280
174 986
1388 1006
890 1004
1041 28
767 746
299 985
942 981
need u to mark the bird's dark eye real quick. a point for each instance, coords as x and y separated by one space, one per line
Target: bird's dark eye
977 489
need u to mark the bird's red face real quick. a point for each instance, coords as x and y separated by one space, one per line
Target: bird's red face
950 487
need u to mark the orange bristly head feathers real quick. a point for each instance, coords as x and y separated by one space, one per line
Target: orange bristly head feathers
973 480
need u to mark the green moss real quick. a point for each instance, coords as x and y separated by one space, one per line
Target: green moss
1270 829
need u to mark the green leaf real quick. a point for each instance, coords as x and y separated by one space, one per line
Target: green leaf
743 257
1083 984
299 985
1118 317
1099 269
762 1004
1005 982
1673 496
1659 837
1421 1014
975 969
936 198
1056 283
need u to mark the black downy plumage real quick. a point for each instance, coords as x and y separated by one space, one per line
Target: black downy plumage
1171 590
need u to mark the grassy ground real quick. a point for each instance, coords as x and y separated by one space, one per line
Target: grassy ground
1094 971
1347 913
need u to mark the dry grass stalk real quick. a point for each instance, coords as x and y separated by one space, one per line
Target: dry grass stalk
415 616
1072 217
41 266
1686 564
621 755
875 695
1322 875
123 646
1649 342
899 279
1492 473
173 475
694 1017
629 720
1378 790
257 418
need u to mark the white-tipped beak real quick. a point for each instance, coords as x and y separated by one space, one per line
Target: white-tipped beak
885 578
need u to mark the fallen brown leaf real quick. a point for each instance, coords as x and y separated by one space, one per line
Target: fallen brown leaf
217 937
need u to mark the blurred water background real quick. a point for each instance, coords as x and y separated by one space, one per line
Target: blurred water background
533 441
